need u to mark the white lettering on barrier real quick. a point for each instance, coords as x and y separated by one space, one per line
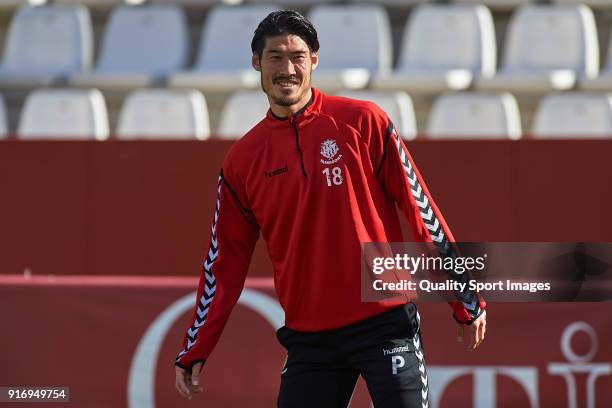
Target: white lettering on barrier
579 364
141 392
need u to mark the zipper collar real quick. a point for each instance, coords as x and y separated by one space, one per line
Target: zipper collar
302 117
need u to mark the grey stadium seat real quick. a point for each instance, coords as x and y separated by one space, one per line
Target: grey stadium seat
444 47
224 54
64 114
46 44
468 115
548 47
350 54
574 114
242 111
164 114
140 47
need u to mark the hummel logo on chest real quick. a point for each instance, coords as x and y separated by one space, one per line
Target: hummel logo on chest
270 174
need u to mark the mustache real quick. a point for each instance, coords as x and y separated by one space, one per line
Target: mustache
284 78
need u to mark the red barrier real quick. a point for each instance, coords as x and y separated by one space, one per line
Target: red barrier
103 337
129 208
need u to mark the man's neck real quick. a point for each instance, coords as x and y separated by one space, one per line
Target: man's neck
282 112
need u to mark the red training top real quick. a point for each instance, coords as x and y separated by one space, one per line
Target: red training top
316 185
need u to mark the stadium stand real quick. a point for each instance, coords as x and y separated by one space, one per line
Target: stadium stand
243 110
397 105
141 45
224 55
164 114
4 127
423 48
13 4
596 4
443 48
350 55
195 4
502 5
574 114
64 114
547 48
602 82
46 44
394 3
97 4
474 116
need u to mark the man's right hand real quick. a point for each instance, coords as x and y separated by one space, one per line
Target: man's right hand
188 383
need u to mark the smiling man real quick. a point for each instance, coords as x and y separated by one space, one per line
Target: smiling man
317 177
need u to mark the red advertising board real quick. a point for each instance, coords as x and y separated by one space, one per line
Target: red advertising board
112 341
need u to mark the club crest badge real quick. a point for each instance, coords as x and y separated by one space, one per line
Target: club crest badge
329 151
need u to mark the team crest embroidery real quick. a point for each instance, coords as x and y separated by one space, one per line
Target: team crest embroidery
329 150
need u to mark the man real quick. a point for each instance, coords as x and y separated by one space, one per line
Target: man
319 176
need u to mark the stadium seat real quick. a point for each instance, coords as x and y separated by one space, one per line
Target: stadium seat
140 46
547 48
444 47
394 4
224 55
474 116
242 111
98 4
64 114
602 82
13 4
4 126
164 114
397 105
497 5
46 44
573 114
595 4
351 54
193 4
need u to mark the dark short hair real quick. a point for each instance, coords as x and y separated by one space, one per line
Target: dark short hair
284 22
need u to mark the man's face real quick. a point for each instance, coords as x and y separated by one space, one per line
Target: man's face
286 65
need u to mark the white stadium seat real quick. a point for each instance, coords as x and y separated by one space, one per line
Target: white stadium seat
602 82
474 116
98 4
444 47
397 105
496 4
291 4
241 112
547 48
64 114
46 44
596 4
395 3
164 114
13 4
355 44
140 46
193 4
224 55
4 127
574 114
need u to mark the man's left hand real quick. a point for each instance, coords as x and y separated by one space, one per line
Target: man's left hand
477 331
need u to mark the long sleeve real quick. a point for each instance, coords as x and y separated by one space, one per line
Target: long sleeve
234 233
403 183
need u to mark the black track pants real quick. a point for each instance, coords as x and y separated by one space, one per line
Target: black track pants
322 368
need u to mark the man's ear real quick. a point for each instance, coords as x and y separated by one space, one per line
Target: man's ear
315 60
255 62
